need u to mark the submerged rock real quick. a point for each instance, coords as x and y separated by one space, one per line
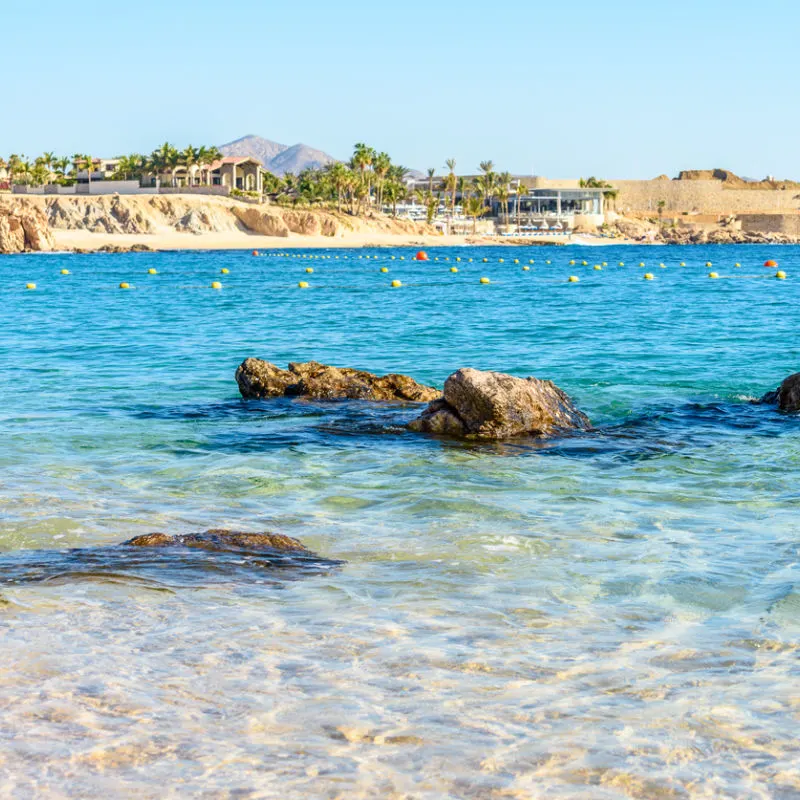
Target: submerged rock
493 405
787 395
219 539
158 560
260 379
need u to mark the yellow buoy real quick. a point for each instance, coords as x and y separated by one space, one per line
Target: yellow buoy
622 263
708 263
30 285
302 285
124 285
216 285
152 271
683 263
65 272
402 258
453 269
737 265
780 275
485 260
604 264
458 258
584 263
574 279
641 263
597 266
516 261
662 265
499 260
309 270
531 261
648 276
469 259
485 280
224 270
572 263
384 269
396 284
392 258
546 262
713 275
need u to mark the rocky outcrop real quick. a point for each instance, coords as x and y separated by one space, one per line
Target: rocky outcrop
787 395
220 540
492 405
261 379
24 228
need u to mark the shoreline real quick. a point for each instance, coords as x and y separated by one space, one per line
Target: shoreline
69 240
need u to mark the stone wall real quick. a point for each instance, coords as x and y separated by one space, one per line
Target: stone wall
771 223
704 197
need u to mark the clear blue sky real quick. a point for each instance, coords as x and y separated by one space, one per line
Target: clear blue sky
616 89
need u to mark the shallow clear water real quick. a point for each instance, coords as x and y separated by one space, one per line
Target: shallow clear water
615 614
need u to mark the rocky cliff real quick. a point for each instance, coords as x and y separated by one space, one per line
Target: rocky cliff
23 227
151 214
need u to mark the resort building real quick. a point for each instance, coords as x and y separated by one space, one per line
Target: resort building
102 169
554 208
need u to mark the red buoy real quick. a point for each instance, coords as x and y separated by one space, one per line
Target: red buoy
422 256
255 252
770 263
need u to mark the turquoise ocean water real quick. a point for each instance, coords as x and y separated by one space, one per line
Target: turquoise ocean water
610 615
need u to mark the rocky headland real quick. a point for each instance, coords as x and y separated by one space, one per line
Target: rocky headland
24 227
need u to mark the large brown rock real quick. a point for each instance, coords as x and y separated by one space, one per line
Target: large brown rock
220 540
260 379
24 228
787 395
492 405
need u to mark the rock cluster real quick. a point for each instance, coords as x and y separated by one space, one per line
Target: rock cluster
787 395
116 248
492 405
24 228
261 379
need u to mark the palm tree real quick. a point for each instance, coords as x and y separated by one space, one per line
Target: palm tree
431 173
661 205
61 165
380 166
504 191
518 201
609 193
189 158
363 157
87 162
165 159
340 177
452 183
475 207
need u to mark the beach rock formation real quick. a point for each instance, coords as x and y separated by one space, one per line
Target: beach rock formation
24 228
221 540
492 405
787 395
260 379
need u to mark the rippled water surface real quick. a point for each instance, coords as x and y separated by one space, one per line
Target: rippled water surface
609 615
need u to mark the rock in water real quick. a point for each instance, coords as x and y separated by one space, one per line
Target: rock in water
787 395
260 379
221 540
492 405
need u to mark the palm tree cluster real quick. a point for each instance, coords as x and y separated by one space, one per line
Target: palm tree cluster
610 193
164 160
47 168
168 160
368 181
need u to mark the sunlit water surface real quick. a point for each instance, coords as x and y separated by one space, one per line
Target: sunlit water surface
610 615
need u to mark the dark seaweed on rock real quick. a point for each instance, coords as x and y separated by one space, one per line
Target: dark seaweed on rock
159 560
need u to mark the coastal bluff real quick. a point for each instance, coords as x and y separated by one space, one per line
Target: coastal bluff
24 227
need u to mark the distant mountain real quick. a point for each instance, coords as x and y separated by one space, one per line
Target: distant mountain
277 158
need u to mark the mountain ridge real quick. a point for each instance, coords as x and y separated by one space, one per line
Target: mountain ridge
276 157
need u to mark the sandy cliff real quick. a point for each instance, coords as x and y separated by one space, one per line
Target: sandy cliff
24 227
160 214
